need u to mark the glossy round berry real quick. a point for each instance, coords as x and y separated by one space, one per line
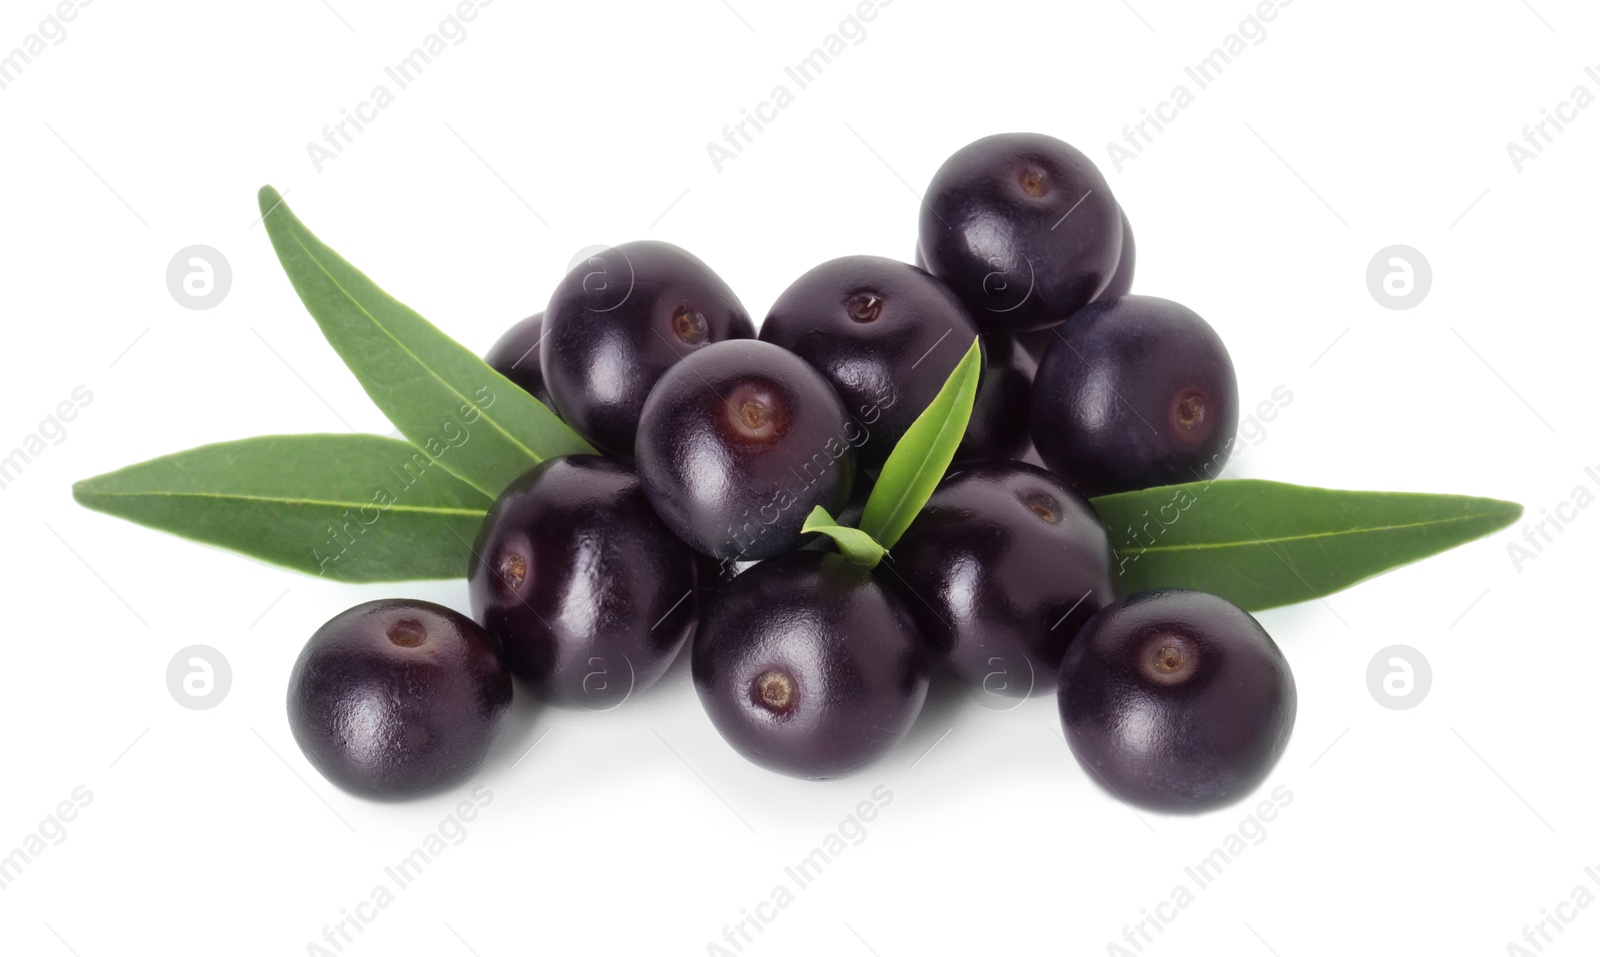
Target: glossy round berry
998 428
1121 283
1176 699
738 443
515 355
885 334
1000 569
619 320
1023 228
395 698
1122 280
807 664
1135 392
587 592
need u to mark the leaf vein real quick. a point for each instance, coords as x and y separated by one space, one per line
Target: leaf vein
286 500
1280 539
493 422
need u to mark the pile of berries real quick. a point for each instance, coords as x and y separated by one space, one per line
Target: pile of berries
591 572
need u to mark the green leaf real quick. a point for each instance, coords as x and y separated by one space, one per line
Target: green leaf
920 458
1263 544
355 508
480 426
853 543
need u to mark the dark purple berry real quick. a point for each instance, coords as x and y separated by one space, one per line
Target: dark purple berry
713 573
395 698
1135 392
808 665
998 428
515 355
1023 228
1121 283
589 595
738 443
1176 700
886 335
1000 569
619 320
1122 280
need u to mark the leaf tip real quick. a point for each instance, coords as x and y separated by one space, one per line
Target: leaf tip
972 359
819 517
1510 512
90 495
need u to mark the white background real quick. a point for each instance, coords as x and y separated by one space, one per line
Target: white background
552 127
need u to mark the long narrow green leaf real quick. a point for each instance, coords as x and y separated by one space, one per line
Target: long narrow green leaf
853 543
921 456
356 508
1263 544
476 423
